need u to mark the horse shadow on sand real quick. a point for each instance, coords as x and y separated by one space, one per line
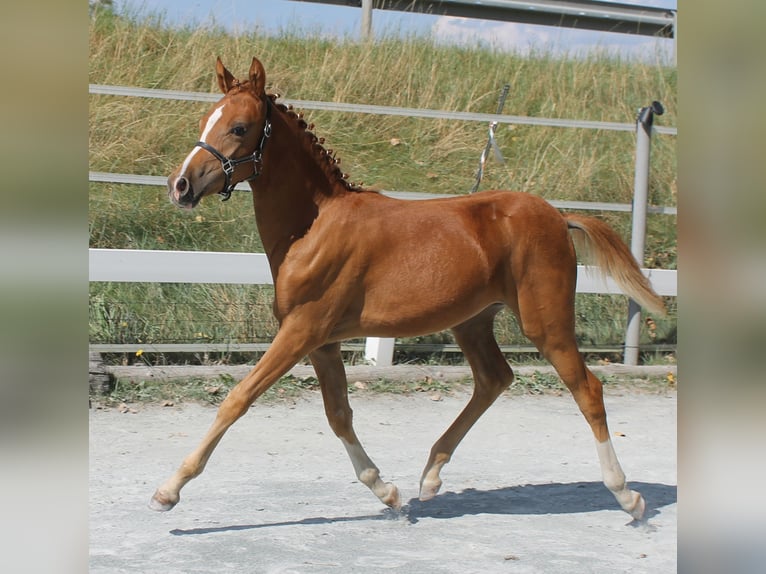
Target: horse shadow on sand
527 499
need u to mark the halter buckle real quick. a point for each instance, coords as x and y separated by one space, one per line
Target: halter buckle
228 165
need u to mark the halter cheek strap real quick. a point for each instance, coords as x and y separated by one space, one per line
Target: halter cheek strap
229 165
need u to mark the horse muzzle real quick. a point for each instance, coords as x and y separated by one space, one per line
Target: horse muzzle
181 192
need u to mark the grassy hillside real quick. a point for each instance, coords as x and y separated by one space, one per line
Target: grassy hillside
150 137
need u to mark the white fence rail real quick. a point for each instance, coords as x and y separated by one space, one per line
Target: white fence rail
132 179
129 91
145 266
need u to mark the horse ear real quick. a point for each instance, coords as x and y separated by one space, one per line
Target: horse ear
257 77
225 79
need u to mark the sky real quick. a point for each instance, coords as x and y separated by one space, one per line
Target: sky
343 21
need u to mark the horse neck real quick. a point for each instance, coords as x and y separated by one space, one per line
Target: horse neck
291 189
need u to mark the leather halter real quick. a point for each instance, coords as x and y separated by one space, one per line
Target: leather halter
229 165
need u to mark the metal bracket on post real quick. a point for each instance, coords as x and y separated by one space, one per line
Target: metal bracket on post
491 143
644 123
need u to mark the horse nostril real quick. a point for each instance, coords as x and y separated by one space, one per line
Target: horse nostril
181 184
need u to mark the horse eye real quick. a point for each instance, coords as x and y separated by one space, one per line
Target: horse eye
238 130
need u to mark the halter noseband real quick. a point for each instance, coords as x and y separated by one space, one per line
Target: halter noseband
229 165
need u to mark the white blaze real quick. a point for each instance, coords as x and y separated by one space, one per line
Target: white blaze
211 121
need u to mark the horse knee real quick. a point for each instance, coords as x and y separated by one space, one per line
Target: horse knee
234 405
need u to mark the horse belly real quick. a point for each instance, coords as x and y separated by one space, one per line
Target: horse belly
418 297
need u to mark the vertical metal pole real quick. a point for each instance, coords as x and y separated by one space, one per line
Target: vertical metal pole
366 19
638 233
675 38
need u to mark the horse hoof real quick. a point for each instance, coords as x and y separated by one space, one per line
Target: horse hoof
392 498
640 507
161 503
428 490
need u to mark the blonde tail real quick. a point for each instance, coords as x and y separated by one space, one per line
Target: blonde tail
598 243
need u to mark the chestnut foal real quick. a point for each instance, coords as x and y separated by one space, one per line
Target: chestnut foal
350 262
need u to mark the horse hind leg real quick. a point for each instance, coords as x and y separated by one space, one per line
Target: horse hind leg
331 374
587 391
551 328
491 374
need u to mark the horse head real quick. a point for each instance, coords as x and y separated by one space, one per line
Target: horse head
233 135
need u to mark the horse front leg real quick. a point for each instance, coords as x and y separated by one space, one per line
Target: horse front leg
331 374
280 357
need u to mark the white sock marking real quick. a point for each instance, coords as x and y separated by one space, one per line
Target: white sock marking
614 477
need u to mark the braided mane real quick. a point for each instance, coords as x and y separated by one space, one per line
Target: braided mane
327 159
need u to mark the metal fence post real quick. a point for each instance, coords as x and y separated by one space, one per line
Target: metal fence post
644 123
366 19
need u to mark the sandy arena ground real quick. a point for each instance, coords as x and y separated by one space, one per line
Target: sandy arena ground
522 494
